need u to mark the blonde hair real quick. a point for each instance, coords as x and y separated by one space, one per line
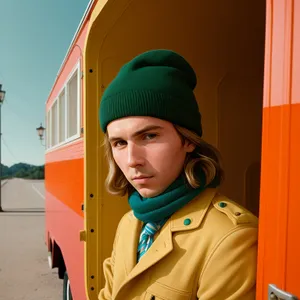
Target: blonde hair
205 156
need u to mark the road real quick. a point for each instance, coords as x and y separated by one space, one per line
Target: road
24 271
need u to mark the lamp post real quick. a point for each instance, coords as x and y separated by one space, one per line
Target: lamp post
40 131
2 96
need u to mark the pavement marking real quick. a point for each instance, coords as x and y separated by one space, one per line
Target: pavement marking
38 191
3 182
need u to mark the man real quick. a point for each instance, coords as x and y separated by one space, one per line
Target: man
182 239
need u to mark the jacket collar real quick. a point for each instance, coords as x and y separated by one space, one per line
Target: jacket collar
195 210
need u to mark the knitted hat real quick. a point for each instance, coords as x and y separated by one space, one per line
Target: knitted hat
157 83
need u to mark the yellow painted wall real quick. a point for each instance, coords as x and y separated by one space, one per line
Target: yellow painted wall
224 42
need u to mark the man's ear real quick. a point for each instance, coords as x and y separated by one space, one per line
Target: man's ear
189 146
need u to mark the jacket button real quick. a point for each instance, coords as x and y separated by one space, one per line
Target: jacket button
222 204
187 222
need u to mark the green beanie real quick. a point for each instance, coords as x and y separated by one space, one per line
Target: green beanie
157 83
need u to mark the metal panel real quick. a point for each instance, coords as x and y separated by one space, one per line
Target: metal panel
275 293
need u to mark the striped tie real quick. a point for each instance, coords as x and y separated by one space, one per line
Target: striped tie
147 237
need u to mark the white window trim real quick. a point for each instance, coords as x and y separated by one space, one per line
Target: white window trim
48 130
57 116
65 86
65 100
76 135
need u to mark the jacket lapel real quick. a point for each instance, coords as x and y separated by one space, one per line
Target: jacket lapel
163 244
133 230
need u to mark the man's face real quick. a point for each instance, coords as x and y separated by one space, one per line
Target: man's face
148 151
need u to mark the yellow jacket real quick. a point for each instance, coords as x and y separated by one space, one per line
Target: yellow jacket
214 257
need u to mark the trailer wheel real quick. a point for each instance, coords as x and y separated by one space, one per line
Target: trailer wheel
67 295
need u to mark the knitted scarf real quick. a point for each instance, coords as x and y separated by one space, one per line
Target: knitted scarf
164 205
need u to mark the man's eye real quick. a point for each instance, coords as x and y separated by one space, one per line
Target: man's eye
119 143
150 136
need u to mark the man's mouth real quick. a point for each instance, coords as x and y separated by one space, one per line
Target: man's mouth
141 178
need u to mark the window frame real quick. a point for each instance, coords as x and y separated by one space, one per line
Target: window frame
57 120
48 129
65 100
65 87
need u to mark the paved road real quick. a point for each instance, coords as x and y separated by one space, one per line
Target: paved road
24 271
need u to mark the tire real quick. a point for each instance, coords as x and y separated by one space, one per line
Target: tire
67 295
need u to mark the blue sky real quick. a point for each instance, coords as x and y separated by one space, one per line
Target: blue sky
34 38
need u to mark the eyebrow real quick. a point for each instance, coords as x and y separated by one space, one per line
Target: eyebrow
139 132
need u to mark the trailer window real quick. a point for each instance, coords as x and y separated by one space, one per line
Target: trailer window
48 144
73 105
54 127
62 116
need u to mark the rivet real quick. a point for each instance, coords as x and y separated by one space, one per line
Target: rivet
222 204
187 222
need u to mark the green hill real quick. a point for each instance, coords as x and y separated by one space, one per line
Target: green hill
22 170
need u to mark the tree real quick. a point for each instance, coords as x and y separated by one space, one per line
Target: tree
22 170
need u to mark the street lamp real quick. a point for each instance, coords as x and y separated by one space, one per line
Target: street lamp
2 96
40 131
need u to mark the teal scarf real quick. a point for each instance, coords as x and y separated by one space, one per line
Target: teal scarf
164 205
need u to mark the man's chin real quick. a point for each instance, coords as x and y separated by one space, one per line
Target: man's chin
148 192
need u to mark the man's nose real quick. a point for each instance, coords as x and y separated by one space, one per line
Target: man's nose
134 155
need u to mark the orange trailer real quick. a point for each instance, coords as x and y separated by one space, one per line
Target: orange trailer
64 168
279 243
245 54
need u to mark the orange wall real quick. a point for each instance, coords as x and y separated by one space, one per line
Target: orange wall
65 175
279 243
73 150
64 226
65 182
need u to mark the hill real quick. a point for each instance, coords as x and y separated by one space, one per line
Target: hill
23 170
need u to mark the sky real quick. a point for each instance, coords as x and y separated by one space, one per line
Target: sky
34 38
